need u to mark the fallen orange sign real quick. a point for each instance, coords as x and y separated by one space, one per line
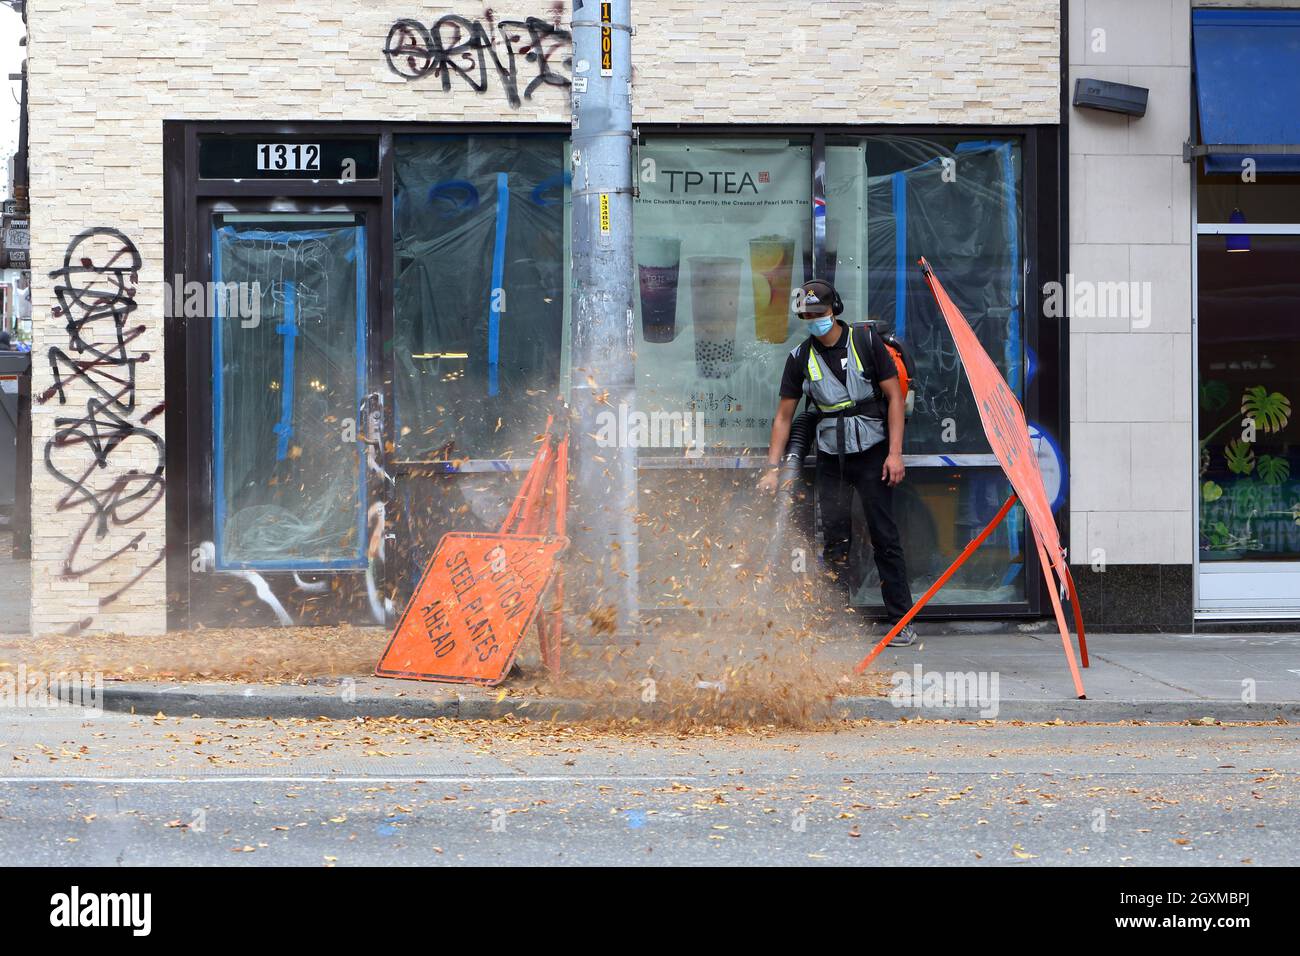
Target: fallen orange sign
475 602
1008 434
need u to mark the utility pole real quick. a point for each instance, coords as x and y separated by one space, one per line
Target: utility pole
603 557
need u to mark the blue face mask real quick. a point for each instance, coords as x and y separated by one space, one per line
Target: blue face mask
821 326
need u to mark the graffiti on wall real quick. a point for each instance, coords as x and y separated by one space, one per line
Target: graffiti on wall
104 451
473 51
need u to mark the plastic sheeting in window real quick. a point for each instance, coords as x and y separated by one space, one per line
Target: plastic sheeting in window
479 242
290 491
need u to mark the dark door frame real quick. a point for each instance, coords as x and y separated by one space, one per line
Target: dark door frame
189 394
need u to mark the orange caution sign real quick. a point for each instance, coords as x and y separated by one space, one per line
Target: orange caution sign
473 606
1008 434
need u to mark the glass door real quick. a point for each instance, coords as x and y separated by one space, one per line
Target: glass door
289 387
294 525
1248 366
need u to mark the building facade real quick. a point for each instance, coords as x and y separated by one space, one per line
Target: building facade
300 280
1183 509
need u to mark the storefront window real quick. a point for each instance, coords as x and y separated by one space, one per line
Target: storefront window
957 201
1249 354
289 350
479 241
722 235
1275 199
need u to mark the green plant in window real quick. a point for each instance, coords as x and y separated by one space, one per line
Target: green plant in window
1273 470
1240 457
1214 395
1249 499
1220 537
1270 410
1248 496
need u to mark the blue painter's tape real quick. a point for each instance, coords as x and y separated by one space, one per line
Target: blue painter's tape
288 330
900 254
218 411
362 282
1014 344
498 278
550 191
453 197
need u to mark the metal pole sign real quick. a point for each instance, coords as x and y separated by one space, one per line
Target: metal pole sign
16 242
606 39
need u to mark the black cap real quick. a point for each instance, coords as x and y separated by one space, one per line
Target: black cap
815 293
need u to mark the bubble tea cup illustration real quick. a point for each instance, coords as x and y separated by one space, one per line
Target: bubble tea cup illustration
715 304
771 266
658 263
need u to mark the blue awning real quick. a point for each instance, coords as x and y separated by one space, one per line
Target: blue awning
1248 84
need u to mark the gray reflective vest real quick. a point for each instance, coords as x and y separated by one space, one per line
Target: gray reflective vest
852 413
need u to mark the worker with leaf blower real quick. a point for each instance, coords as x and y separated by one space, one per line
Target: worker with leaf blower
855 381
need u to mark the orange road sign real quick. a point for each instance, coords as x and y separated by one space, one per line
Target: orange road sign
473 606
1008 434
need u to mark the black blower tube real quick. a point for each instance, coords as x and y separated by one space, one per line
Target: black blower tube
802 430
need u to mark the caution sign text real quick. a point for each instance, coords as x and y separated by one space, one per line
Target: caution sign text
478 596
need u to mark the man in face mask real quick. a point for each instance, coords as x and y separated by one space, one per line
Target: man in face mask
849 378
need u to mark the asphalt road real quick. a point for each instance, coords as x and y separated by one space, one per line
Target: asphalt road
124 790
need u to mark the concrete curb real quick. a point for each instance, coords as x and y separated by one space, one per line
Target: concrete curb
282 702
1088 711
294 701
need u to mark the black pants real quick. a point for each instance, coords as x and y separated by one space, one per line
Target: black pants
862 471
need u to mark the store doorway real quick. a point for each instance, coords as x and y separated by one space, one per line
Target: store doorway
291 527
1248 367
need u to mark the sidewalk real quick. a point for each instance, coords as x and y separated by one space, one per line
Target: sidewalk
1022 676
15 588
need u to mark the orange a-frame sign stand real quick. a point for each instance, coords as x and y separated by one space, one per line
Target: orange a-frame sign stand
480 593
1004 425
540 508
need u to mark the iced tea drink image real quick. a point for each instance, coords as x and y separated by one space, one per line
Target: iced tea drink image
715 304
658 263
771 266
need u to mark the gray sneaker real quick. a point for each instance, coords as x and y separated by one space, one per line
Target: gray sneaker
904 638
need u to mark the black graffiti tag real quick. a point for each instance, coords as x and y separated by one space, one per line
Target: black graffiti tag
107 455
457 45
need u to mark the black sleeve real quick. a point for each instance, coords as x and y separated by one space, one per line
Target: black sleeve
792 377
884 359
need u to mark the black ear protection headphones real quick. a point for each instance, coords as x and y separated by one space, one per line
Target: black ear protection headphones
819 292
